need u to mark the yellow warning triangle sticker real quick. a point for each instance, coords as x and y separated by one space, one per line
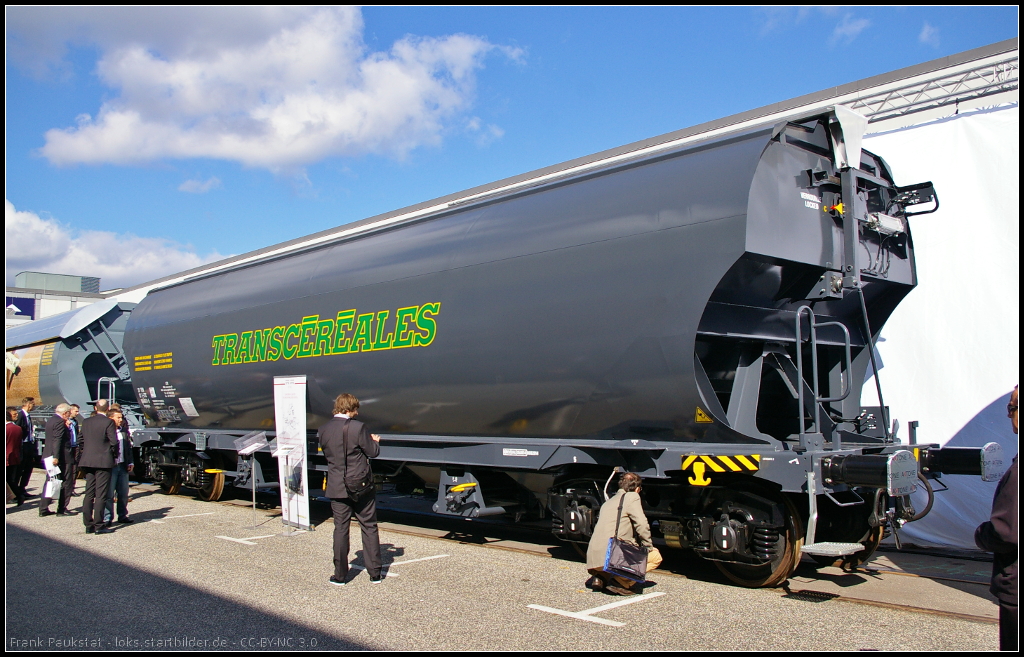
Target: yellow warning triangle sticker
701 416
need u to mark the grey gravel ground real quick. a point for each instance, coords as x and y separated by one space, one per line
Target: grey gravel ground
175 585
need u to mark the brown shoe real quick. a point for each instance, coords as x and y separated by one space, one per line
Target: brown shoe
618 590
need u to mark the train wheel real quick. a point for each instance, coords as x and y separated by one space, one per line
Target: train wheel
171 483
786 559
212 491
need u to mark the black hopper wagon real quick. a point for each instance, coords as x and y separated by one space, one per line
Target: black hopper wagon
701 313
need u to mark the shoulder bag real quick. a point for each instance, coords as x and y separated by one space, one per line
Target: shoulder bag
623 558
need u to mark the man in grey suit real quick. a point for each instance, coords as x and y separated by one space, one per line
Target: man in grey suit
123 464
99 445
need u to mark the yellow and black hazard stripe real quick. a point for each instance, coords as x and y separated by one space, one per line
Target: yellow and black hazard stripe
702 466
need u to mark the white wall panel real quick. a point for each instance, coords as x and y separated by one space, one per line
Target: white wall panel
951 351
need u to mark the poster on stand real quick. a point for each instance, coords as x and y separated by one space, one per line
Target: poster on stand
290 418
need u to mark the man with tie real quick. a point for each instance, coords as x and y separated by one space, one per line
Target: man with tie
28 446
75 427
58 446
123 464
99 442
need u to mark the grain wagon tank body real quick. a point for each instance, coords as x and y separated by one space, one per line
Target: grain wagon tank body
571 310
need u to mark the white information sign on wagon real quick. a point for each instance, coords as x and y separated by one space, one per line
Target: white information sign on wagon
290 418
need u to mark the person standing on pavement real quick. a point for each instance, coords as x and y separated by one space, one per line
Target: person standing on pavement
75 431
29 452
123 464
99 444
999 536
349 446
58 447
14 434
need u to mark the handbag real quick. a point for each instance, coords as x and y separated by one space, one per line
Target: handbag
51 489
623 558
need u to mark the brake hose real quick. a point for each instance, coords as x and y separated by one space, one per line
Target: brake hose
931 497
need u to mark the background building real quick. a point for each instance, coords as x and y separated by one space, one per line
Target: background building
36 295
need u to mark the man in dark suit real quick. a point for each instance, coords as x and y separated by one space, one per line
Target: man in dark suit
58 446
99 442
349 446
29 454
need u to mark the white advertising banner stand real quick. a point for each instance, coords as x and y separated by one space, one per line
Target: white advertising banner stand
290 418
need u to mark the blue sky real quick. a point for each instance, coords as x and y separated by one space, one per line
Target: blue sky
144 141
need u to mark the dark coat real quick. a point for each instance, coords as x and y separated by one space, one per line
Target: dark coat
999 536
351 464
99 442
58 440
25 423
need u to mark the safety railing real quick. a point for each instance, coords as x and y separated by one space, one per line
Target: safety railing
813 326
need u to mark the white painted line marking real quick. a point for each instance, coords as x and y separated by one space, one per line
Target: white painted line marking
402 563
247 541
588 614
190 515
620 603
571 614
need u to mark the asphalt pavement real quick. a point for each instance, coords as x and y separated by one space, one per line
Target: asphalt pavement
195 575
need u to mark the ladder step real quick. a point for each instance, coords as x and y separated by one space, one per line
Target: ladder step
833 549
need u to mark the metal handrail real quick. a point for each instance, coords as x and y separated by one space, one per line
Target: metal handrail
849 365
847 387
111 383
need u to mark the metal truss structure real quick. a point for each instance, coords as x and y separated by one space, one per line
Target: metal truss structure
947 88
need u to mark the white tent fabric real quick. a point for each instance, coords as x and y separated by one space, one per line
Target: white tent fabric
951 349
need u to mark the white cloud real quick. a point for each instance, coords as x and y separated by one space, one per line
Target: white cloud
33 243
929 35
849 28
199 186
278 89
